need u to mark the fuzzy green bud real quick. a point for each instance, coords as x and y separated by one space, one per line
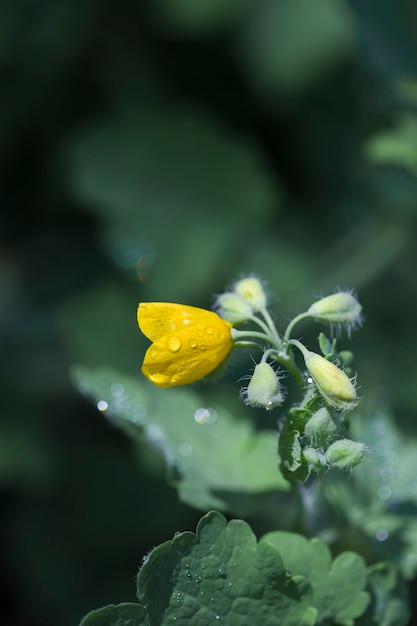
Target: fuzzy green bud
320 428
339 308
314 459
264 389
345 454
332 383
233 308
251 290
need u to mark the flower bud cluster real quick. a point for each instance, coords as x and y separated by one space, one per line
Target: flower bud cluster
318 440
343 454
325 445
246 297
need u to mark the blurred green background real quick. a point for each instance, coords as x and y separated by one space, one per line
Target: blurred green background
158 150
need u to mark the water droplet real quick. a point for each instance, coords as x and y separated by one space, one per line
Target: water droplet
185 449
117 390
209 330
205 416
217 617
102 405
202 348
174 344
193 344
385 492
387 472
197 580
222 572
382 534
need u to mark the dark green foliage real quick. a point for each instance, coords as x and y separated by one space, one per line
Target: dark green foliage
158 150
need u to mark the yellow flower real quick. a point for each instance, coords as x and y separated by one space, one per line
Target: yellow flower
188 343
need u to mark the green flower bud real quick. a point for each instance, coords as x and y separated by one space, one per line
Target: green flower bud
264 389
345 454
314 459
320 428
331 382
251 290
233 308
339 308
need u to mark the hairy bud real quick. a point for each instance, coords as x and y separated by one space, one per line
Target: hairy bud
251 290
332 383
264 389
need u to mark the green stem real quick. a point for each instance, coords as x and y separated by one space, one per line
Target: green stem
272 327
304 351
260 323
272 352
287 360
293 322
240 334
247 344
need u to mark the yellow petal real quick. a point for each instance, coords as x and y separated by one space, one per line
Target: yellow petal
189 342
156 319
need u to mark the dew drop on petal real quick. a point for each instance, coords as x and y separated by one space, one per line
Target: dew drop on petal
192 343
174 344
209 330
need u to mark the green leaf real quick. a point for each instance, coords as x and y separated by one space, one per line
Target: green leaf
288 45
222 463
397 146
379 503
85 318
160 178
326 346
290 450
198 17
338 585
125 614
221 576
389 598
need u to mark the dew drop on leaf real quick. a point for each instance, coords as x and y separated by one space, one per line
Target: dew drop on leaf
205 416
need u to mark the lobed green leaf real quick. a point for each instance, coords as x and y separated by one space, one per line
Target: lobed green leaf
222 464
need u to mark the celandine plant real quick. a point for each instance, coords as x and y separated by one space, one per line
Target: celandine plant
190 343
222 574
